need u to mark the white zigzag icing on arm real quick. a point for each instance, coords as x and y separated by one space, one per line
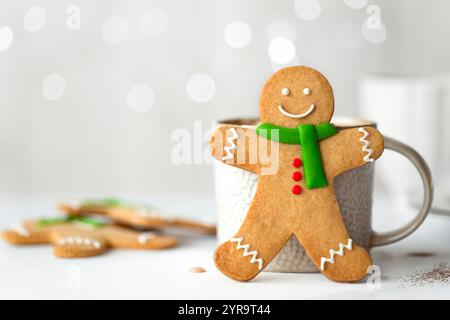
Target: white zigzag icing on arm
232 145
246 253
366 148
342 246
21 230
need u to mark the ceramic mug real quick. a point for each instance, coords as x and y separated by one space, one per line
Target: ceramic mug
235 189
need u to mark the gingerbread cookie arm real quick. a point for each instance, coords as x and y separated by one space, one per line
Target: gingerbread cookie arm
256 243
327 242
351 148
25 234
204 228
238 147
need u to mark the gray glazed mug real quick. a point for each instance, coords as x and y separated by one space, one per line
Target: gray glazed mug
235 189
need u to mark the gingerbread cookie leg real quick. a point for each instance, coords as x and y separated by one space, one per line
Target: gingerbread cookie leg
130 239
322 233
78 246
253 247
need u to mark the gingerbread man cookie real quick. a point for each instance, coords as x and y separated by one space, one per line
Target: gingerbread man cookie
297 197
78 237
131 214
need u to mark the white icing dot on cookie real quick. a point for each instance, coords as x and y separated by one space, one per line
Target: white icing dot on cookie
80 241
285 91
145 237
147 214
307 91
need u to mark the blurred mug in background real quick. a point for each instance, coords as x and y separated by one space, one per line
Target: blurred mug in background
416 111
443 199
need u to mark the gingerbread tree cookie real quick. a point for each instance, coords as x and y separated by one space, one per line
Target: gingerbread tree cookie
78 237
295 194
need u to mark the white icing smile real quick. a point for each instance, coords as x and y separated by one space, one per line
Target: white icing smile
297 116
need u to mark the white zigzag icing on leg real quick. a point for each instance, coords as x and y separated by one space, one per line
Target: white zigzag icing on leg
232 146
366 148
342 246
246 253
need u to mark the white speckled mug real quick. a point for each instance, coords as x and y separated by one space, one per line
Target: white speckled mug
235 189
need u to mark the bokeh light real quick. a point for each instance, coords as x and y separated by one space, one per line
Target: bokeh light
115 30
6 38
34 19
308 9
237 34
356 4
201 88
282 50
140 98
53 86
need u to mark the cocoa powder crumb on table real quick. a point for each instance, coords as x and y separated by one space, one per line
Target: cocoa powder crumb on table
439 274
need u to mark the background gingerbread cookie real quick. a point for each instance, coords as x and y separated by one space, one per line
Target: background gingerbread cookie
296 197
83 237
132 214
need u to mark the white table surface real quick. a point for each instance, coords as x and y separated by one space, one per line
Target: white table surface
32 271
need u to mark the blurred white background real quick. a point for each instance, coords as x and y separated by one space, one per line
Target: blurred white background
92 91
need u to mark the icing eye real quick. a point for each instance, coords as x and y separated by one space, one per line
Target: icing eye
285 91
307 91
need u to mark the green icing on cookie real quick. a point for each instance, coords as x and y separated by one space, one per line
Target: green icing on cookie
90 222
114 203
107 202
51 221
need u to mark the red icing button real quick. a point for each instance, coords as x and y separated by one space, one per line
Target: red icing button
297 176
297 162
296 189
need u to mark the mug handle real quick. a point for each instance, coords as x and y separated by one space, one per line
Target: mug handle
384 238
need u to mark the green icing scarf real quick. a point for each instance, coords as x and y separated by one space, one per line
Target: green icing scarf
308 137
